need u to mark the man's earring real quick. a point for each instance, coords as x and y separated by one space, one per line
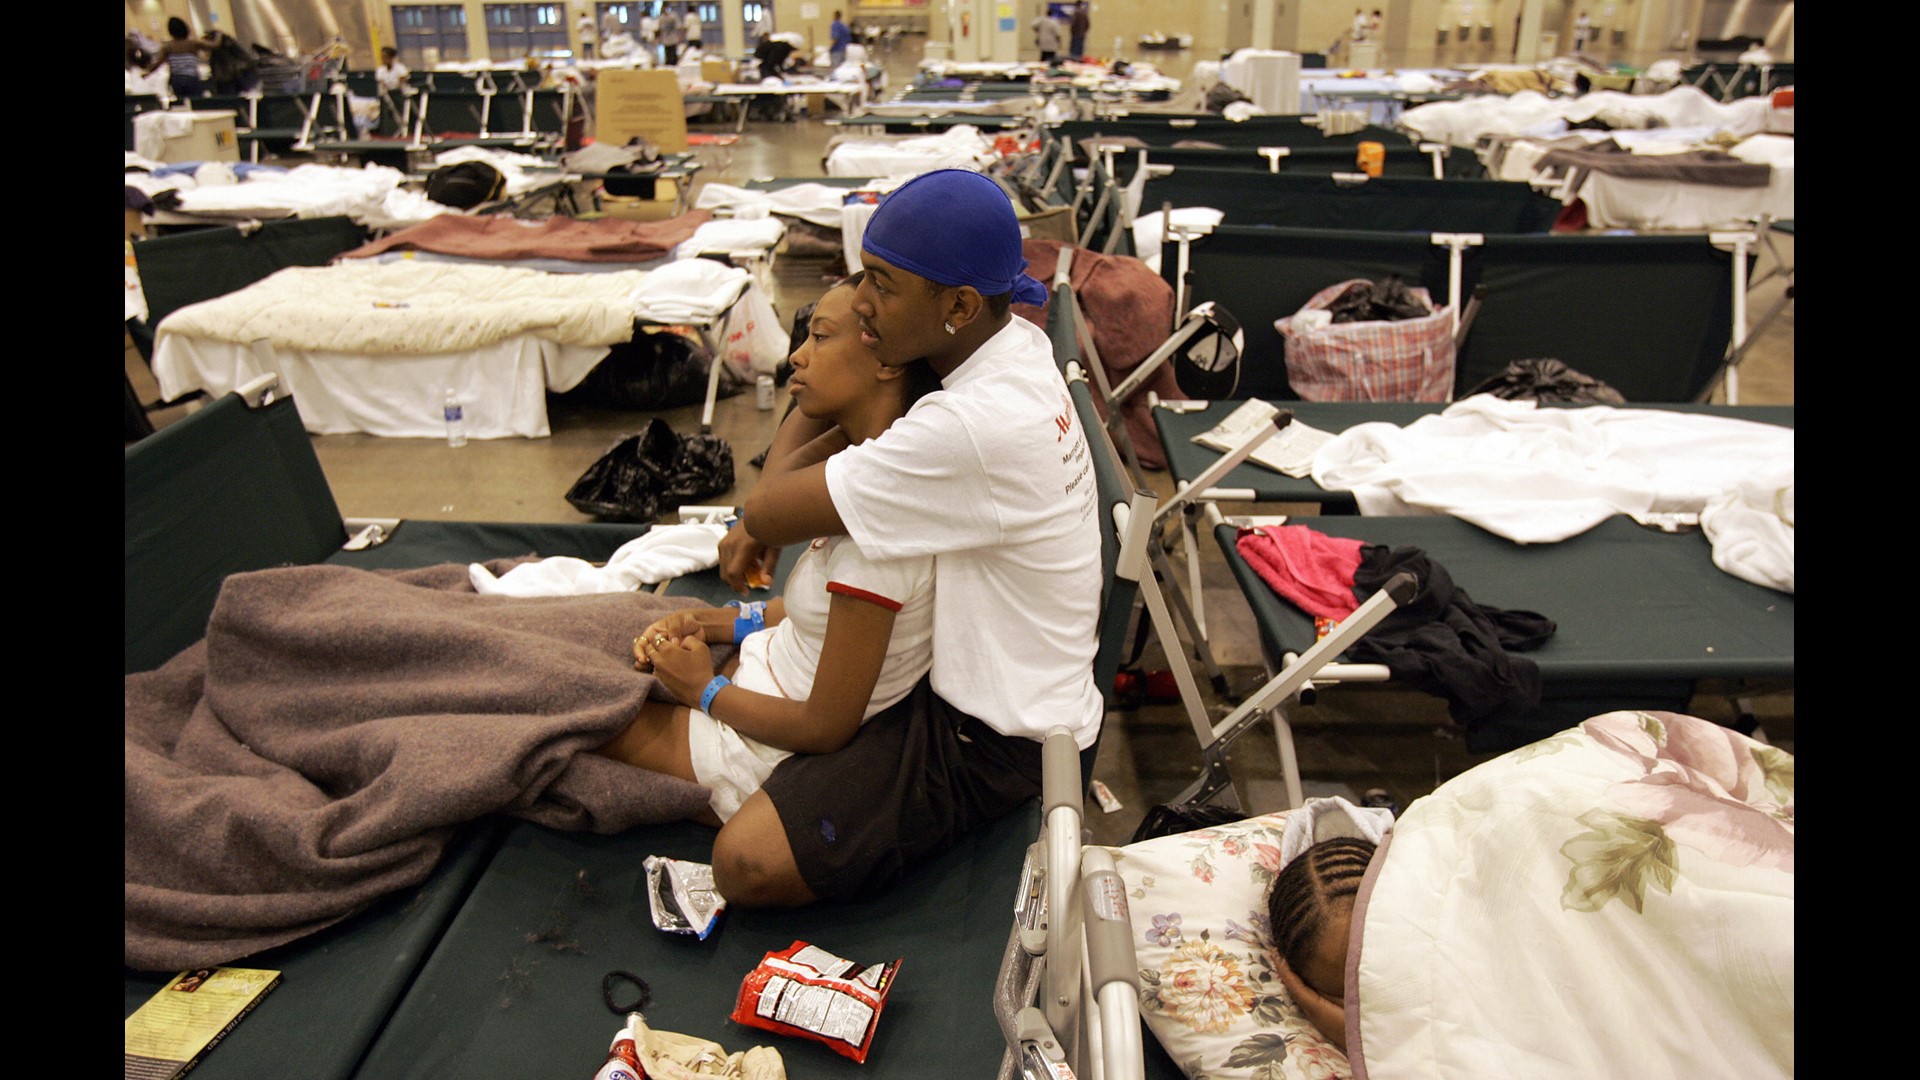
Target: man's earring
949 327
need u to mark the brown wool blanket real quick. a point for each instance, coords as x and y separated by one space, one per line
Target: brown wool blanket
499 238
321 746
1692 167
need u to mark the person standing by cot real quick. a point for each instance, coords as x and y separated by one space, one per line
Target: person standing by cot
583 29
1077 28
841 38
693 31
181 54
670 37
992 476
1046 36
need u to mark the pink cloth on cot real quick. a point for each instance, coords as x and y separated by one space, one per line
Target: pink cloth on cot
1309 569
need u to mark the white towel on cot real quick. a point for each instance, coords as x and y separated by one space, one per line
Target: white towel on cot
1751 528
667 551
1328 818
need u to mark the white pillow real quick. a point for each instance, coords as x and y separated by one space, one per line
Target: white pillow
1208 989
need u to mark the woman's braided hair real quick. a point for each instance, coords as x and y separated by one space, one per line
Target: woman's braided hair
1306 890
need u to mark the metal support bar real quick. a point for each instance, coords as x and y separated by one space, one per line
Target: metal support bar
1456 243
1273 154
1742 242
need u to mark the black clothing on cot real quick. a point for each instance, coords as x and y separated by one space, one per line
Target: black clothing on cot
916 777
773 56
1445 644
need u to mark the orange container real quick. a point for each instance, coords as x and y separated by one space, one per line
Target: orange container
1372 158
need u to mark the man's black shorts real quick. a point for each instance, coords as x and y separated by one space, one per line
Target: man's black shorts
916 777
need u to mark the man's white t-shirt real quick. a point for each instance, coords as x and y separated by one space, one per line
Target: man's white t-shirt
389 78
991 475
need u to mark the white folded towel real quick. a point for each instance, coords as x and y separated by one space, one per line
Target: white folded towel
666 551
1328 818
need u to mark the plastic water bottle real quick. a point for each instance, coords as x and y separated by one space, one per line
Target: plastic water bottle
456 420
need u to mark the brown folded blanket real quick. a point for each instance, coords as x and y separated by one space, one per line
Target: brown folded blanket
1692 167
501 238
320 747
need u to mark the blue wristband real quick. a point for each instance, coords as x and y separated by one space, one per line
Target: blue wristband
752 619
706 696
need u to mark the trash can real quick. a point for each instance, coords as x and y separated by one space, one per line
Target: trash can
208 137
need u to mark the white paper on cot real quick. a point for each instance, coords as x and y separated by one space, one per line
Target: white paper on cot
1290 452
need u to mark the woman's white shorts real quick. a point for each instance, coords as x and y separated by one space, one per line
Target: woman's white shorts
729 763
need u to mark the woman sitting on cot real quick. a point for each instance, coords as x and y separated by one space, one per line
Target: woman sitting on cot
849 637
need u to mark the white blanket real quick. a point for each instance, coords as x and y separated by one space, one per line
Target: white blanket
959 147
1462 123
815 203
1537 475
373 196
1617 901
666 551
1751 528
363 307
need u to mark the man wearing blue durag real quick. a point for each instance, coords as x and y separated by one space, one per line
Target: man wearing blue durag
992 477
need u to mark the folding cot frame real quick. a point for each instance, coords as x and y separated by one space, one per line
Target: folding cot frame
1729 82
253 251
1286 679
1368 250
1165 608
1229 479
1067 995
1353 201
414 120
1115 204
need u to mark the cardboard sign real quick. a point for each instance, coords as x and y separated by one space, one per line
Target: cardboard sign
629 103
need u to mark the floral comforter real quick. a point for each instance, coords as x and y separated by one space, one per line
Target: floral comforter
1614 901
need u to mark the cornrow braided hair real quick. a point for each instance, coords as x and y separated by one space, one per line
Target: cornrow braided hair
1306 889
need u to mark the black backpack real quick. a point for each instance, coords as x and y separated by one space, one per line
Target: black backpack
466 185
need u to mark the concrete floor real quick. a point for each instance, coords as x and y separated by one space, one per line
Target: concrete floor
1351 740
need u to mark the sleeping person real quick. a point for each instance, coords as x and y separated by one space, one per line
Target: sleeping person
1310 913
850 637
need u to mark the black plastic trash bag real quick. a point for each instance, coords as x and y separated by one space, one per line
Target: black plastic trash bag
1167 819
1386 299
647 474
655 371
1548 380
466 184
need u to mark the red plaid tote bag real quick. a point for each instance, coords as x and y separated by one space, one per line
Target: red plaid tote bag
1375 360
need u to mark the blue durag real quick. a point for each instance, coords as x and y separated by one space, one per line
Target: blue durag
954 227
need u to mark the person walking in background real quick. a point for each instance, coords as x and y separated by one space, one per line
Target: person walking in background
670 36
583 29
181 54
649 31
1046 36
1077 31
841 38
695 34
1582 30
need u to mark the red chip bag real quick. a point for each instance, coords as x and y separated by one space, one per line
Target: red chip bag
810 993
